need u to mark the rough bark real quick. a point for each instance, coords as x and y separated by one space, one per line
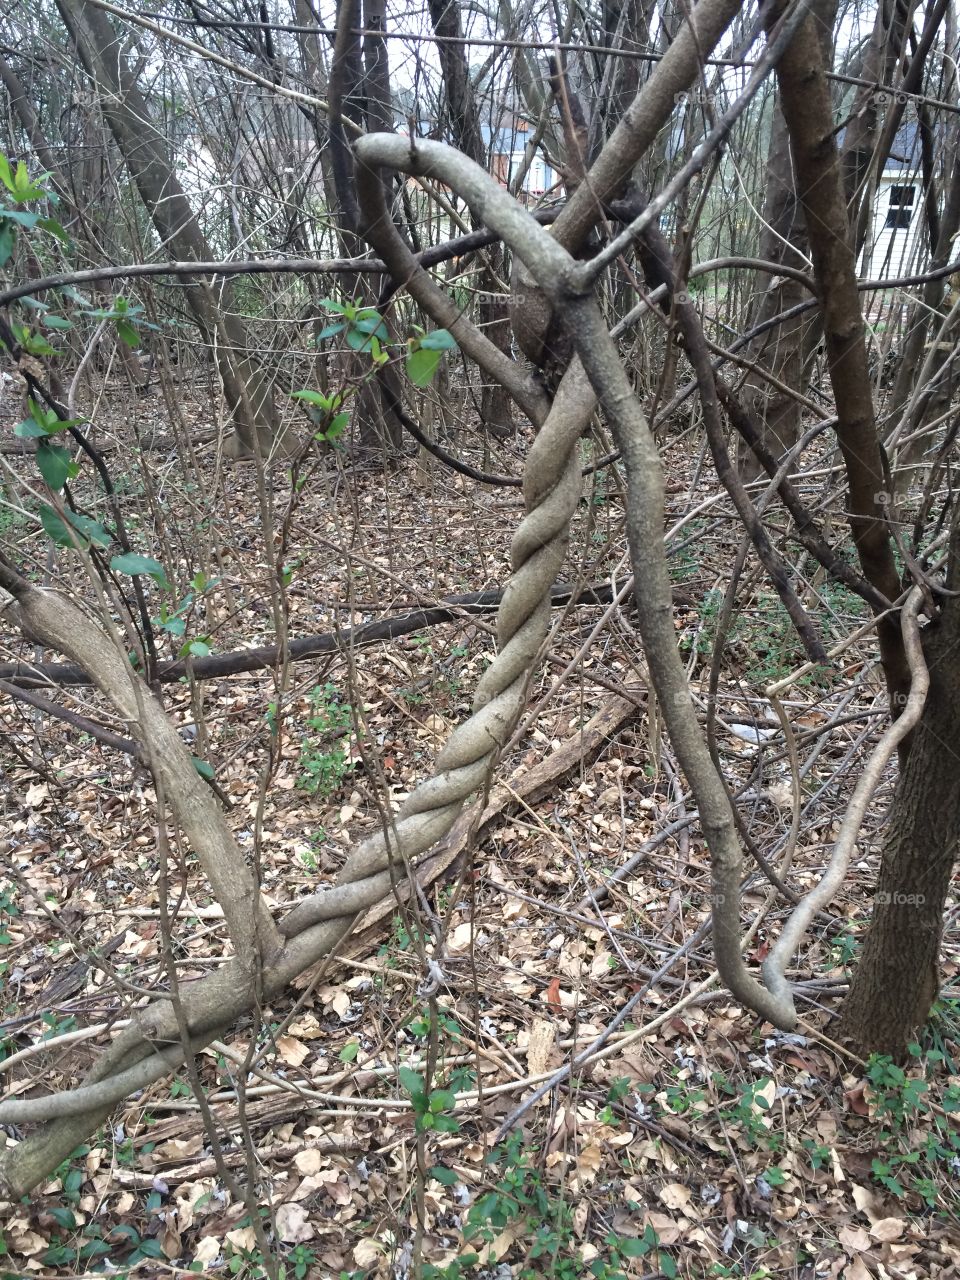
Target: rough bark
780 350
805 100
496 409
897 977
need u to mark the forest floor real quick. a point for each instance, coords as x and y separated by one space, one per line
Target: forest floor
698 1142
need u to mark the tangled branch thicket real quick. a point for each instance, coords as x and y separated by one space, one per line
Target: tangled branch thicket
710 279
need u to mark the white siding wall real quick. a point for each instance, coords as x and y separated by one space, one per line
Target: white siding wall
891 250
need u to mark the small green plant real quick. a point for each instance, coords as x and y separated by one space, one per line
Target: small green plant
897 1097
326 412
542 1223
923 1166
299 1261
844 946
323 755
818 1154
8 911
57 1026
432 1109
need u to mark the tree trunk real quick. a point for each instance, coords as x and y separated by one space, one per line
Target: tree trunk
145 154
359 91
780 351
897 979
496 408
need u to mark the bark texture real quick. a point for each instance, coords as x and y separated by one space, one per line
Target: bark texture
897 979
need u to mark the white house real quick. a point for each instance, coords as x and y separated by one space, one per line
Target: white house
893 244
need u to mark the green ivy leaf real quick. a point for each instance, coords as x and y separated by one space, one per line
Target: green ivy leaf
631 1247
313 397
422 366
8 238
415 1087
349 1051
61 533
128 334
205 770
133 564
445 1176
438 340
56 465
30 430
53 228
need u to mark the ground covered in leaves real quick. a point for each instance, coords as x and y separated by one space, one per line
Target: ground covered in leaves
364 1112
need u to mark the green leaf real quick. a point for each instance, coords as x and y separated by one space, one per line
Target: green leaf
30 430
63 1217
445 1176
357 341
205 770
57 322
438 340
330 331
90 529
133 564
414 1085
335 429
313 397
444 1123
422 366
173 626
667 1265
196 649
442 1100
128 334
58 531
21 216
56 465
126 1231
8 238
338 308
349 1051
53 228
631 1247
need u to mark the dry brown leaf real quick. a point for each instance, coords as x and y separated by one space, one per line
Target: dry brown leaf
242 1238
885 1229
856 1239
206 1250
367 1252
675 1196
308 1161
292 1051
293 1225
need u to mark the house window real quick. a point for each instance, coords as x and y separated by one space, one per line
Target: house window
900 210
